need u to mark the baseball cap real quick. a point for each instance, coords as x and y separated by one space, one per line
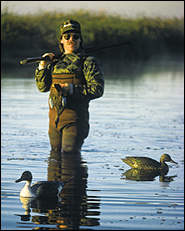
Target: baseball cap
70 25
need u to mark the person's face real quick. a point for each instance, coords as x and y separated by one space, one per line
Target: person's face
71 42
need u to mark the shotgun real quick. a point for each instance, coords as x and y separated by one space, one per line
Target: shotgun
87 50
34 60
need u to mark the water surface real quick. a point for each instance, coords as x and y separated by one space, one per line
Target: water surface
140 114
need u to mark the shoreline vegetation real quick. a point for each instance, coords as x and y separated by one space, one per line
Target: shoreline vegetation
32 35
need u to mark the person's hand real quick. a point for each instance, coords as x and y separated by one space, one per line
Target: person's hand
43 64
66 88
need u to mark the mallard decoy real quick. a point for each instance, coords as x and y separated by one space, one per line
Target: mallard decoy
41 189
148 163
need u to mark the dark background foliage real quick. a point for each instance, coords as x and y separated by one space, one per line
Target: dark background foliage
35 34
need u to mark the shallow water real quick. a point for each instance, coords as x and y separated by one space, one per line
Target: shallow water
141 115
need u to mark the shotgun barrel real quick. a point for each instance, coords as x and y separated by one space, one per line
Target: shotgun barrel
87 50
34 60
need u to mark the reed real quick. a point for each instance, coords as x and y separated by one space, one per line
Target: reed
34 34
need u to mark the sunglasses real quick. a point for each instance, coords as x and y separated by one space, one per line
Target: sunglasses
68 36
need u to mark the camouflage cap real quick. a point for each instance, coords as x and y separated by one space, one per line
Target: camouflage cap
70 25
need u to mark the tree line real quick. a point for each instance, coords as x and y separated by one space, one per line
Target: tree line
34 34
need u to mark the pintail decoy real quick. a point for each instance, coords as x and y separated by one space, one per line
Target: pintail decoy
41 189
148 163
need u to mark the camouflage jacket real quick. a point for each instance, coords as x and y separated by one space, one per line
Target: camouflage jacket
86 66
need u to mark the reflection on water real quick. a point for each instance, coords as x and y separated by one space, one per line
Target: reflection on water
140 114
145 175
146 169
74 208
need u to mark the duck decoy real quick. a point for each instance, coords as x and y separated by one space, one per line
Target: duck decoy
41 189
148 163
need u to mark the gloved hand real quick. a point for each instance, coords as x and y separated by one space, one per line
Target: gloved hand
65 88
43 64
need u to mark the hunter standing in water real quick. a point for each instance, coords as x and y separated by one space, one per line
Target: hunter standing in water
73 80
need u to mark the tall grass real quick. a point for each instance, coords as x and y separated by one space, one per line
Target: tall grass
32 35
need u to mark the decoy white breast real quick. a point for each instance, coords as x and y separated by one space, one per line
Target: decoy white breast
41 189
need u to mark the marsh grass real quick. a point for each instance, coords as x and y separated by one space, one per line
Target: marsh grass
34 34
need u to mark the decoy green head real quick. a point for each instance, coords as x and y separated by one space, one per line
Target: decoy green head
166 158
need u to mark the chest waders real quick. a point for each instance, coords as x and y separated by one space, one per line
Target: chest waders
57 98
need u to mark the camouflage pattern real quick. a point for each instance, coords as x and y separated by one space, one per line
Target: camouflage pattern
91 86
70 25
